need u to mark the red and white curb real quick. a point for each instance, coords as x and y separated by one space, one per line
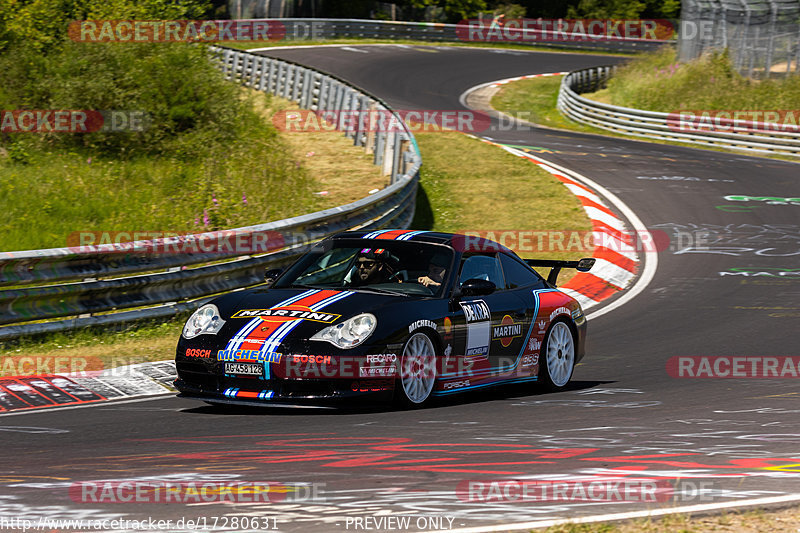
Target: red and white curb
25 393
617 262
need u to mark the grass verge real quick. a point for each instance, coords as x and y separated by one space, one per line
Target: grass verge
258 176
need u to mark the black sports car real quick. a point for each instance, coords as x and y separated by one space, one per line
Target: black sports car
413 314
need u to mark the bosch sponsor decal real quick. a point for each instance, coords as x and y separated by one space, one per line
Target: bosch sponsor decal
507 331
314 359
249 355
287 313
456 384
560 311
191 352
479 327
422 324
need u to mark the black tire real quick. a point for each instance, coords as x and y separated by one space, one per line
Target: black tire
417 371
557 357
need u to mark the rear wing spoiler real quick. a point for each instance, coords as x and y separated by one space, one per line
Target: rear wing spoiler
582 265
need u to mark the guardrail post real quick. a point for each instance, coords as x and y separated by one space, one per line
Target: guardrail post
380 143
369 139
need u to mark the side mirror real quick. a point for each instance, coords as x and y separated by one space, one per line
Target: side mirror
272 274
477 287
585 264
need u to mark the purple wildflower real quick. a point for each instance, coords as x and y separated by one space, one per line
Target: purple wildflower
205 217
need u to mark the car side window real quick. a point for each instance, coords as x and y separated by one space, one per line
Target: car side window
518 274
485 267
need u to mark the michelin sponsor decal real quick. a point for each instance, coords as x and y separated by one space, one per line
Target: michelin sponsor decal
479 327
560 311
249 355
422 324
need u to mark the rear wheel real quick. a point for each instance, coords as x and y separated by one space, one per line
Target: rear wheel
558 352
417 371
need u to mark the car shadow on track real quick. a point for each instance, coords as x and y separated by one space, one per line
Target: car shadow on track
489 394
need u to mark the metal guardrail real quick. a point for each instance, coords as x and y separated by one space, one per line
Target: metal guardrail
749 136
302 29
148 273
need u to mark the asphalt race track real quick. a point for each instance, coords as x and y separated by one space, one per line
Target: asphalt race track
711 442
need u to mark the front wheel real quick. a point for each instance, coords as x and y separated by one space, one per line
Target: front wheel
559 357
417 371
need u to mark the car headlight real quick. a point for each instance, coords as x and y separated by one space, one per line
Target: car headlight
204 320
349 333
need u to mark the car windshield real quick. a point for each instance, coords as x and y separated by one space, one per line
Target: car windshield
390 267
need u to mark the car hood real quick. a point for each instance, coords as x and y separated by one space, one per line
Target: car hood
273 316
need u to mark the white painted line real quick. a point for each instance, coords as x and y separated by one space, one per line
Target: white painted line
541 524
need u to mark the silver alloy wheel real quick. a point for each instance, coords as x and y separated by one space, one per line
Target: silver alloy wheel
560 354
418 368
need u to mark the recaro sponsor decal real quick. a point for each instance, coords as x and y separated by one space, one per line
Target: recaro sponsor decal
507 331
382 358
422 324
294 312
479 326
